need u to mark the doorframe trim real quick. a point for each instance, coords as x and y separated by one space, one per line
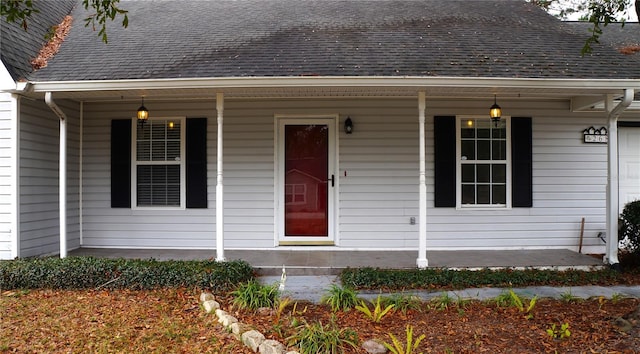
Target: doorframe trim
279 121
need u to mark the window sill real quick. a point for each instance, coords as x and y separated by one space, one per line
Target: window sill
481 207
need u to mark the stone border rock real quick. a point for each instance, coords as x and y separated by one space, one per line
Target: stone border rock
249 337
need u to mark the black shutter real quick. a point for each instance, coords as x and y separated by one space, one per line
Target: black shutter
445 161
521 162
196 151
121 163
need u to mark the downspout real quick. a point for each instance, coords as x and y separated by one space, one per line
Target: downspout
219 183
48 99
80 175
611 256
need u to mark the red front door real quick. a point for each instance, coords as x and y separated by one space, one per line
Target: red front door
306 180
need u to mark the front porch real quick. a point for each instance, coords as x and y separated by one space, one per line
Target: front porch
328 262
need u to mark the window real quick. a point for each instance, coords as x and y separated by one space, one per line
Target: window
483 163
447 135
159 158
295 193
159 168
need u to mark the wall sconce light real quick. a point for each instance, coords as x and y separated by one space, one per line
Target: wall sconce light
348 126
495 112
143 113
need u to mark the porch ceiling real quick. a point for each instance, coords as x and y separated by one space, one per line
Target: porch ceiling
588 93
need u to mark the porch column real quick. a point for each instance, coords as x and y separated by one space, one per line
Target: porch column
62 172
219 184
422 261
612 188
613 213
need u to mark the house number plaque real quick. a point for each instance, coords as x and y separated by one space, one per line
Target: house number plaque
592 135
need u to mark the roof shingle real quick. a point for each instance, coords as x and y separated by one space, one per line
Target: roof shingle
258 38
18 47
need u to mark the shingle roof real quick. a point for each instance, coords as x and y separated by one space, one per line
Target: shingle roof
245 38
18 47
613 34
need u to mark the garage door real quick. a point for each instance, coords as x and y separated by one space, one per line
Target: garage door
629 164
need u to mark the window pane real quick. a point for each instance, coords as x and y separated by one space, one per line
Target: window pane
484 149
499 150
173 150
499 173
468 150
484 133
173 194
468 194
173 133
158 185
158 150
468 173
468 132
499 194
483 194
143 150
144 195
143 132
484 173
158 175
499 133
157 129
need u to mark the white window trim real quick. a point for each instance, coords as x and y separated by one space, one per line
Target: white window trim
459 205
134 164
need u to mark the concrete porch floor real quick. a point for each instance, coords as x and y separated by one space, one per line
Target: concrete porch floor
323 262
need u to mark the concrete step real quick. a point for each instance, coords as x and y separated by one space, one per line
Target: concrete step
297 270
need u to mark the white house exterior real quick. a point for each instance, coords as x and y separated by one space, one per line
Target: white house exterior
424 168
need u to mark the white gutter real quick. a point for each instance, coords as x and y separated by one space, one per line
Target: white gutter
48 98
611 256
330 81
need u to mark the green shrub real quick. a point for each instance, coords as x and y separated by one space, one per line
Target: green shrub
443 301
90 272
316 338
629 227
253 295
340 298
403 302
439 278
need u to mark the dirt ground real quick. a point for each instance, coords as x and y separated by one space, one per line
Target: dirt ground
172 321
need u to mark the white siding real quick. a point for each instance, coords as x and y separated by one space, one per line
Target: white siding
7 211
104 226
378 170
569 182
39 208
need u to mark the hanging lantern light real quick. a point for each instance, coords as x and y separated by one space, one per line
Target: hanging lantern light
495 112
143 113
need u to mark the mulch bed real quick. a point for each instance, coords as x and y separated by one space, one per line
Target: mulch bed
171 320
